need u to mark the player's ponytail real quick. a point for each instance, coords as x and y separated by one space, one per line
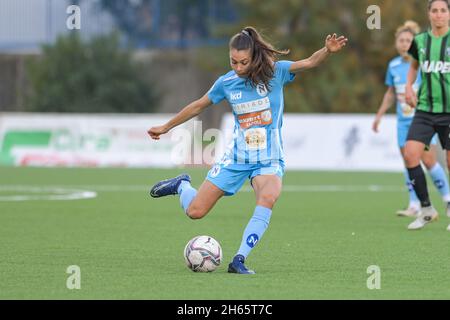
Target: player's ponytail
263 55
408 26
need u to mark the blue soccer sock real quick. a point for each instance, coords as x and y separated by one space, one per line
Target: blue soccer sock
413 200
255 229
440 181
187 194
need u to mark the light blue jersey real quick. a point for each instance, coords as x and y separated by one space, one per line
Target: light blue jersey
258 116
396 76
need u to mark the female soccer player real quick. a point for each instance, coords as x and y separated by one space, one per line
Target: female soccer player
431 52
254 89
396 80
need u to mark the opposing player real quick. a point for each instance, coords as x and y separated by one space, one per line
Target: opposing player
396 80
431 53
254 89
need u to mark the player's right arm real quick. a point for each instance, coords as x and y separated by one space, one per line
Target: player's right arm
410 95
388 101
191 110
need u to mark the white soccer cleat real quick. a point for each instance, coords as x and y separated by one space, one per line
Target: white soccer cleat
409 212
427 215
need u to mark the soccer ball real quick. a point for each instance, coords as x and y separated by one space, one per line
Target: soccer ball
203 254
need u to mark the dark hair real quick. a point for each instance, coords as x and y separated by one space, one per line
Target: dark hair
430 2
263 55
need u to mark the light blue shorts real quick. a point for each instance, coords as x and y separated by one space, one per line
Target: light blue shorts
230 178
402 133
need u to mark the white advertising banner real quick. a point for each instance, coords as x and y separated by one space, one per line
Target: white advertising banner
336 142
99 140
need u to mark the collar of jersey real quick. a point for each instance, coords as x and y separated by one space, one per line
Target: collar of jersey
430 32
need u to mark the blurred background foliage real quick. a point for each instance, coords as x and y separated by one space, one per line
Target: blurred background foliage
100 74
350 81
96 75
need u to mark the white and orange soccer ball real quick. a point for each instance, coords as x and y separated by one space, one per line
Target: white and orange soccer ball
203 254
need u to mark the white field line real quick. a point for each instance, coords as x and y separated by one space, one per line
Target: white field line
78 192
58 189
27 193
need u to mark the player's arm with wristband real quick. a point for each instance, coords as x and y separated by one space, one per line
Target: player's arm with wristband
191 110
332 44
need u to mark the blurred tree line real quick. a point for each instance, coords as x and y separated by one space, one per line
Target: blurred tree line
82 74
350 81
95 75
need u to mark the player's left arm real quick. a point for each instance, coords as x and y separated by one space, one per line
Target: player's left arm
333 44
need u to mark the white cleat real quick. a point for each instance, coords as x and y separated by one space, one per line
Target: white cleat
427 215
410 212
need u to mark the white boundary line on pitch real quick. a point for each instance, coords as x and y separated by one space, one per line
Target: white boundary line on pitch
246 188
55 193
59 192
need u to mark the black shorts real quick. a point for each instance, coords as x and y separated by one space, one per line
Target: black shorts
426 124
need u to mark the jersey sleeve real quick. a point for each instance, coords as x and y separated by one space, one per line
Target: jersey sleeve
389 81
217 93
282 71
413 50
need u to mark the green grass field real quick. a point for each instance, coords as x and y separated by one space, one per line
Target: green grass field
326 230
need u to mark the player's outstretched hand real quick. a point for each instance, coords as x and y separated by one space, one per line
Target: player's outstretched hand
334 44
155 132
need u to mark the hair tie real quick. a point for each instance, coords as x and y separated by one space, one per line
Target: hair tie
245 32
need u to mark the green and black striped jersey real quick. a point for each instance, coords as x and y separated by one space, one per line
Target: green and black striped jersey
433 55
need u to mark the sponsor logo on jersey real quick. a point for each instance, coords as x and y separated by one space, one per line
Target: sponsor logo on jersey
401 88
261 89
251 106
406 110
260 118
256 139
435 67
236 95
